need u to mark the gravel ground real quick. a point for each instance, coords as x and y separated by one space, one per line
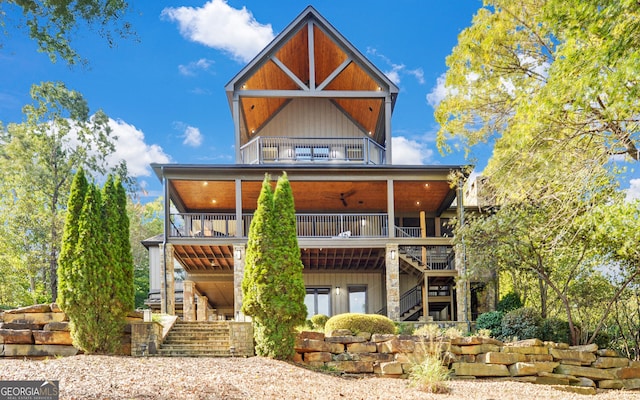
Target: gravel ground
107 377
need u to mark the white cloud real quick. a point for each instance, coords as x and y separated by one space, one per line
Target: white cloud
192 136
131 147
633 193
194 66
438 93
397 71
222 27
410 152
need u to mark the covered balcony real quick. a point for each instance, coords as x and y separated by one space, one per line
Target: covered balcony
264 150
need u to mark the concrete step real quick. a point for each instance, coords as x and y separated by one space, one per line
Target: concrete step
193 354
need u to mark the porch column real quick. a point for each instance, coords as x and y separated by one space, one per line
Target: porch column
239 222
238 274
425 298
188 301
391 216
167 283
393 281
203 302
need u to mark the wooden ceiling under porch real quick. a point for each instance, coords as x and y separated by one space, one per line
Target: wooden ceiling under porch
219 259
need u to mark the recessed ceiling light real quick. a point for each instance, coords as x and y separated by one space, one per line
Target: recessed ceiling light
205 183
417 203
214 201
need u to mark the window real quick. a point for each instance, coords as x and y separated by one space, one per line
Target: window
318 301
358 299
446 230
312 152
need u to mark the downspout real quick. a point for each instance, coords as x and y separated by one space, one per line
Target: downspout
164 239
465 307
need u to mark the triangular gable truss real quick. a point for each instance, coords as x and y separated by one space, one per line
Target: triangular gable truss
311 59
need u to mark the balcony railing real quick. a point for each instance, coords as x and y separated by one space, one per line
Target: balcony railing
408 232
337 226
264 150
438 257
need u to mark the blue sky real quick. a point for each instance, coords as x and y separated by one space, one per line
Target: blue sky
164 89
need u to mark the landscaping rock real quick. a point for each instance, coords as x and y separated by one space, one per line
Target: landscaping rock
607 353
628 373
379 337
62 326
55 308
391 368
38 308
479 348
344 339
584 382
592 348
631 384
34 318
322 356
340 332
526 349
396 346
53 337
538 357
476 369
357 367
372 357
522 369
497 357
611 384
39 350
610 362
585 358
16 336
588 372
363 347
311 335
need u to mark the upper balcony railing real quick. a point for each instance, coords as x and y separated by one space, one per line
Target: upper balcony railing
337 226
264 150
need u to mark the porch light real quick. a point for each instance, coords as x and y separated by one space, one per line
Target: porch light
337 290
146 315
392 254
238 254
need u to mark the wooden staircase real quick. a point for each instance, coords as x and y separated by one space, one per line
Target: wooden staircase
197 339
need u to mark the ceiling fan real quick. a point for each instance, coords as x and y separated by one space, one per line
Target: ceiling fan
345 195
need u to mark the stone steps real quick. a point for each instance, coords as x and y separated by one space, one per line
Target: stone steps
197 339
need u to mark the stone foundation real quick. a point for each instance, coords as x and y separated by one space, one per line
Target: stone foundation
583 368
43 331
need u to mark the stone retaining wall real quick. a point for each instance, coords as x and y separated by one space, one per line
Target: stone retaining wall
43 331
580 368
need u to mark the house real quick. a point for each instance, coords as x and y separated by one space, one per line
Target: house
374 236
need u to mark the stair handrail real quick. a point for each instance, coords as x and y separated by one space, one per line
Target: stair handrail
408 300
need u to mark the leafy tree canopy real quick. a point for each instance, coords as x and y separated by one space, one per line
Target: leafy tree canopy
53 23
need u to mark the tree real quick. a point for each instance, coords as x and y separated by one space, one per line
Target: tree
37 161
546 74
272 286
70 238
52 24
146 220
96 293
117 236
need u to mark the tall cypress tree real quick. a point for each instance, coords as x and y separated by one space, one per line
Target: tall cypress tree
288 291
273 288
66 273
258 258
127 287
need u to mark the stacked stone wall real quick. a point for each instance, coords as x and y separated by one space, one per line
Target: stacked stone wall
579 368
43 331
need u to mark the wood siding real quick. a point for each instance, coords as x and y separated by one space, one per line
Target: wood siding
311 118
340 302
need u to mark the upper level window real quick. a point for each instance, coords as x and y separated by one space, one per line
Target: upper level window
312 153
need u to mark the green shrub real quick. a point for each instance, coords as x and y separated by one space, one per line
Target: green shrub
430 375
356 323
523 323
509 302
492 321
318 321
555 330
